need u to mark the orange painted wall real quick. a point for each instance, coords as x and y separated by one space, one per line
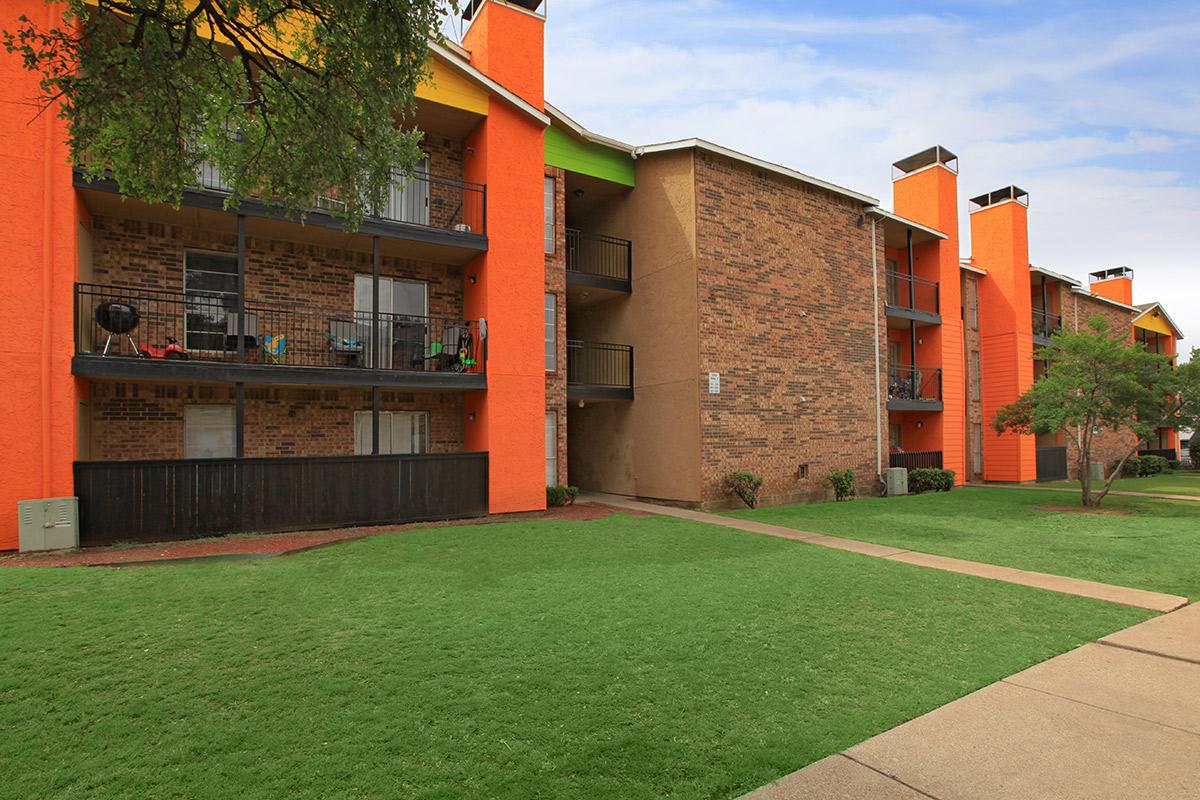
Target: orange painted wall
1000 244
509 157
1119 289
38 221
930 196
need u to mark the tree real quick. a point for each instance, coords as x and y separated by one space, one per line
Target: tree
1094 382
288 99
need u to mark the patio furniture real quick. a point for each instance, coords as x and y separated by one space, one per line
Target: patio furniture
346 340
117 319
275 349
250 331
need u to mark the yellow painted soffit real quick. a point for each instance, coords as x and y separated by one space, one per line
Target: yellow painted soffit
447 87
1150 322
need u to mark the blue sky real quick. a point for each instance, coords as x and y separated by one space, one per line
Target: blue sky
1094 109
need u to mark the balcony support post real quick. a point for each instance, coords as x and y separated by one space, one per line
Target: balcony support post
239 420
912 274
375 398
376 263
241 297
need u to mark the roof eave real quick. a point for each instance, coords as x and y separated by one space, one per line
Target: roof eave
474 75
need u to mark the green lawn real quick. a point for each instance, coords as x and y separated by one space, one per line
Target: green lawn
1186 482
1156 547
621 658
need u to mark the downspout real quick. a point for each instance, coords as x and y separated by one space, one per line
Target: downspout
878 383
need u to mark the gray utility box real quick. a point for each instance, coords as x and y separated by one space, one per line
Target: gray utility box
50 524
897 481
1097 470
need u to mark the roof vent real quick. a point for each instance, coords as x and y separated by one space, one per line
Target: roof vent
1109 274
934 155
999 196
471 7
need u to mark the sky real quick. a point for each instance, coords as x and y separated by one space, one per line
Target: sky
1094 109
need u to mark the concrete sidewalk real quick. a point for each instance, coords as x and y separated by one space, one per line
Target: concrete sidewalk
1119 718
1139 598
1078 492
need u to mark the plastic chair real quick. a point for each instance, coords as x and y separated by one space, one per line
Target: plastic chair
275 349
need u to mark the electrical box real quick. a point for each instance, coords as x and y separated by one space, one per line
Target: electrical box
50 524
1097 470
897 481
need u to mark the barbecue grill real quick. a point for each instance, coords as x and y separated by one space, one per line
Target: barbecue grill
117 319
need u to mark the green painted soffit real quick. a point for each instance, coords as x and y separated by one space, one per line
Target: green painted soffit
566 152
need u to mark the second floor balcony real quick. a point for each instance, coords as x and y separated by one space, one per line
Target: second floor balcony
132 333
599 371
914 388
1045 325
914 299
598 261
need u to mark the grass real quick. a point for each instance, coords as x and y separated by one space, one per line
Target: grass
1156 546
620 658
1185 482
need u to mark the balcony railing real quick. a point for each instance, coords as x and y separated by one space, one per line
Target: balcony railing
914 383
1170 454
422 198
599 256
599 365
1045 324
930 459
913 293
115 322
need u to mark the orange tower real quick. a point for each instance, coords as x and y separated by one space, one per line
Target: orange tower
1000 245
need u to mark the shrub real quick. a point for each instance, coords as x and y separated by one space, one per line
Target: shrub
1152 465
1173 465
1132 468
1194 449
843 483
745 485
928 479
561 495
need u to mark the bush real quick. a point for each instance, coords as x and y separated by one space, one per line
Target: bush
928 479
1152 465
1132 468
561 495
1194 449
745 485
1173 465
843 483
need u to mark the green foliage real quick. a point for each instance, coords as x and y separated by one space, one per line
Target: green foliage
1173 465
1131 468
561 495
843 483
1194 450
1152 465
745 485
1096 380
929 479
300 99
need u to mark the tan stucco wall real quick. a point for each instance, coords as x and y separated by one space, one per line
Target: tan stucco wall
651 447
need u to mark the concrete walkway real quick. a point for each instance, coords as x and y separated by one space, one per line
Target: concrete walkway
1078 492
1119 718
1139 598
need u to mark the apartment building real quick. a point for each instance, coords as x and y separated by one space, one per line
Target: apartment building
539 303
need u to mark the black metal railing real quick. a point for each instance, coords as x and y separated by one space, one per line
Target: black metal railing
190 498
930 459
913 293
914 383
601 256
1166 452
420 198
598 364
198 326
1045 323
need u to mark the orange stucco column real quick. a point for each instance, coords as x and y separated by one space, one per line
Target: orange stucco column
39 222
506 152
930 197
1000 244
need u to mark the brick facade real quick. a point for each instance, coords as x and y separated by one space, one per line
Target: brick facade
787 318
136 420
556 283
973 372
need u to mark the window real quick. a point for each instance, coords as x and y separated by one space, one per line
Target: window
895 437
893 283
210 290
977 448
551 322
407 331
548 214
973 303
974 375
400 432
208 432
551 448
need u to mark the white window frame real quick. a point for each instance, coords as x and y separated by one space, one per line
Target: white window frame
193 251
550 330
418 443
552 448
549 215
194 422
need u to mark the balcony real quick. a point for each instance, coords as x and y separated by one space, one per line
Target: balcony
1045 325
912 299
914 388
126 333
929 459
599 262
446 215
599 371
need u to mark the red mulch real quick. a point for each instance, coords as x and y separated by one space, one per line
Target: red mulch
275 543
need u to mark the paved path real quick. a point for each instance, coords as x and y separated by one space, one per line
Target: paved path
1027 487
1140 598
1119 718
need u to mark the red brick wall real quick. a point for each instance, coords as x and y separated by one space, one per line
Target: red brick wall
795 390
556 282
972 319
145 420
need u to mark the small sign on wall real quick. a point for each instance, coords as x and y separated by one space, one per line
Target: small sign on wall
714 383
